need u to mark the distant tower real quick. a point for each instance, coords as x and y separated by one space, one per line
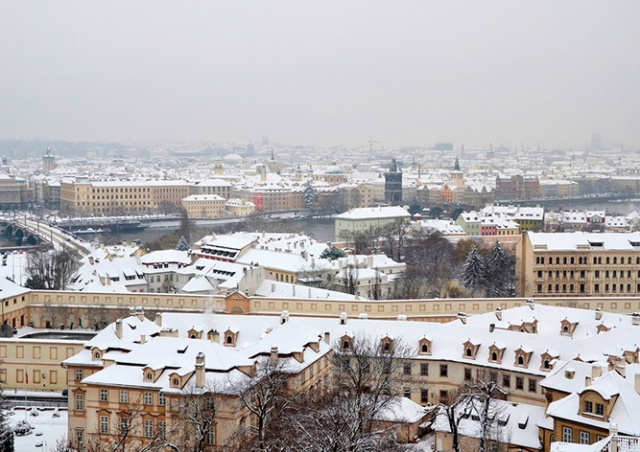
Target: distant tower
48 161
457 176
393 184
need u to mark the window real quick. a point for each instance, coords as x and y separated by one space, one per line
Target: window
78 374
124 396
588 407
567 434
162 429
424 395
124 425
104 425
162 399
599 409
148 398
104 395
407 393
407 369
424 348
584 437
79 436
444 370
532 384
520 360
211 436
148 428
506 381
467 373
424 368
79 402
519 383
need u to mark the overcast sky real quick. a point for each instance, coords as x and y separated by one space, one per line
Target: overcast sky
322 72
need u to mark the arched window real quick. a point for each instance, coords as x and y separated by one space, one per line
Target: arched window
565 329
386 347
345 345
425 348
546 364
520 360
494 356
468 353
229 339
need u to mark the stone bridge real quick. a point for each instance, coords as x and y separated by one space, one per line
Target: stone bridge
18 234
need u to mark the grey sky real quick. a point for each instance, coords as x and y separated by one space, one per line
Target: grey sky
323 72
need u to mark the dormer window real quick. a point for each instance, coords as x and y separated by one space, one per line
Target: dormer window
567 327
522 357
470 348
96 355
229 340
494 357
149 376
346 343
424 346
387 344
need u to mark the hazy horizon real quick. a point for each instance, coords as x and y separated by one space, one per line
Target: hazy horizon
407 73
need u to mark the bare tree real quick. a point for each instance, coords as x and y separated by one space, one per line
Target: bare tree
475 398
367 374
350 279
265 397
395 237
187 226
50 270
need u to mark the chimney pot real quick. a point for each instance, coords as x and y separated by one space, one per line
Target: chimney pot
119 328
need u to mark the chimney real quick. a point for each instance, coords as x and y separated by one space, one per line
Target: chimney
635 318
200 370
143 339
587 381
293 289
531 303
119 328
327 339
596 372
343 318
91 260
499 313
463 317
284 317
214 336
309 292
613 433
598 313
139 312
492 326
158 318
273 287
273 360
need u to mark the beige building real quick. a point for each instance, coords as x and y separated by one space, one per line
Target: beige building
204 206
239 207
578 264
122 197
363 219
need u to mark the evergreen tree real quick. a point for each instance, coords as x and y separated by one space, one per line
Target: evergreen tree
496 271
6 432
309 196
473 270
182 245
332 253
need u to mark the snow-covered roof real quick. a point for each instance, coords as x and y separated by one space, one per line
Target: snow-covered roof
368 213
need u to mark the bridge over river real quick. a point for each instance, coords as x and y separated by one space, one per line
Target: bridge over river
29 233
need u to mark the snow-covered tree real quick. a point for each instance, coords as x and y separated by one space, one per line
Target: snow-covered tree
332 253
496 274
6 432
182 245
309 195
473 270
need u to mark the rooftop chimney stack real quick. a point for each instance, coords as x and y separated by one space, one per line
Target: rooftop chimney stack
200 377
119 328
274 357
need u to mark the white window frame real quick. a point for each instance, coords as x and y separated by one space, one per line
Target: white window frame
148 398
567 434
104 425
104 395
124 396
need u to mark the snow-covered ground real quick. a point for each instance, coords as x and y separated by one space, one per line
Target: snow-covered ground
48 428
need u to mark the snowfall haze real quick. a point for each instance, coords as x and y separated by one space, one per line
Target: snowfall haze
321 72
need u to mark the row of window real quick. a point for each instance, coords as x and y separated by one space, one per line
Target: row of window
147 398
596 274
584 437
582 260
608 288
